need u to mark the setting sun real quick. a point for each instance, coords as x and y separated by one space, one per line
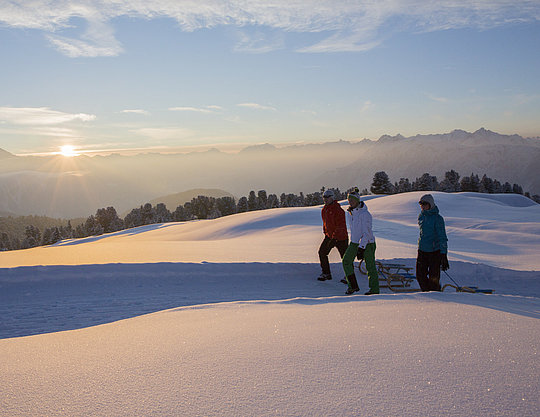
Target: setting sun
68 150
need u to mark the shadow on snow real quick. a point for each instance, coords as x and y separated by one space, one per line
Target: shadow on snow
44 299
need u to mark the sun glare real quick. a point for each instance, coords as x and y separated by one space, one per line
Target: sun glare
68 150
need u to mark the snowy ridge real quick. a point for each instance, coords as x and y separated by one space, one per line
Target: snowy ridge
498 230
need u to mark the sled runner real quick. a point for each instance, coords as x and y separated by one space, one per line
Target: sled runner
398 277
464 289
467 289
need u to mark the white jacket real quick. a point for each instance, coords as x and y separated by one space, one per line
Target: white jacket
361 229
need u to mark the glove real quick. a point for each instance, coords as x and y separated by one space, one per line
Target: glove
444 262
360 253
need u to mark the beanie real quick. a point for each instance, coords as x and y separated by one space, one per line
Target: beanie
354 194
428 198
328 193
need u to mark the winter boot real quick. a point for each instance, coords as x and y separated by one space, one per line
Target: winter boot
324 277
353 285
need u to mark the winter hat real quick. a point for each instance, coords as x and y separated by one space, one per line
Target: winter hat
328 193
428 198
355 194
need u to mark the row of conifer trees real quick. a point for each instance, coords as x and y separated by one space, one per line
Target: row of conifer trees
106 220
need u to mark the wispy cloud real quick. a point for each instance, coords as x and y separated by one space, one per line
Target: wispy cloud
437 99
40 116
256 106
136 111
259 42
97 40
367 105
346 25
207 109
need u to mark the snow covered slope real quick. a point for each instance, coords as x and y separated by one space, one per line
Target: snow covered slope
501 230
240 325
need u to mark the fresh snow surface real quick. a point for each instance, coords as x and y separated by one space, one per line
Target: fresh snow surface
239 325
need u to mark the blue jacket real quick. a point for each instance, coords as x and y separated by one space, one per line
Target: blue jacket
432 231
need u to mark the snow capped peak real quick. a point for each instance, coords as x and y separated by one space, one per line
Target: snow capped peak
388 138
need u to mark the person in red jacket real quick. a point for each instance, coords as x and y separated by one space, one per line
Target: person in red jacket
335 233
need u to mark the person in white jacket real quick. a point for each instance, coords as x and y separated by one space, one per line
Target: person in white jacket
362 245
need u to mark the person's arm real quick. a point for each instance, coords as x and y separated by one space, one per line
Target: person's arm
441 234
366 227
340 225
443 243
356 229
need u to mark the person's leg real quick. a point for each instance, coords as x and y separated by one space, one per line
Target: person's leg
324 250
422 270
434 272
348 266
369 259
342 246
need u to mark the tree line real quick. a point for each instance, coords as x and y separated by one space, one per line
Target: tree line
452 183
106 220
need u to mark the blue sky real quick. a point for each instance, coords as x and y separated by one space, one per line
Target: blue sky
121 75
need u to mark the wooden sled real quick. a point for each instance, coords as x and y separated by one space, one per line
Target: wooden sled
468 289
396 277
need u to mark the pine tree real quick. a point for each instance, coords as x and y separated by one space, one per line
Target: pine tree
517 189
381 184
32 237
262 200
93 227
226 205
426 182
470 184
242 205
46 238
148 214
55 237
450 184
5 242
273 201
133 218
403 186
487 184
162 214
253 202
109 220
202 207
179 215
497 187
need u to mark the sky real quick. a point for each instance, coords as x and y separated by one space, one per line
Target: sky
114 76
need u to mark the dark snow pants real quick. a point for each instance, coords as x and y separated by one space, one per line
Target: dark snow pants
324 250
428 270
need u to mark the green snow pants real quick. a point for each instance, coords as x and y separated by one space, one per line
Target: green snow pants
369 259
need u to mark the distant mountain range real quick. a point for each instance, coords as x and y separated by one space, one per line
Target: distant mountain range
73 187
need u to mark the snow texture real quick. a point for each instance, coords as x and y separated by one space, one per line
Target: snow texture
225 317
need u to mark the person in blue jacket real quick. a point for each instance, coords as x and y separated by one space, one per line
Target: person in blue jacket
432 246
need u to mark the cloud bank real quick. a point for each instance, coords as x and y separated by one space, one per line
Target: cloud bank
40 116
345 25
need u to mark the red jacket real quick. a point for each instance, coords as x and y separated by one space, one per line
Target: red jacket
334 223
